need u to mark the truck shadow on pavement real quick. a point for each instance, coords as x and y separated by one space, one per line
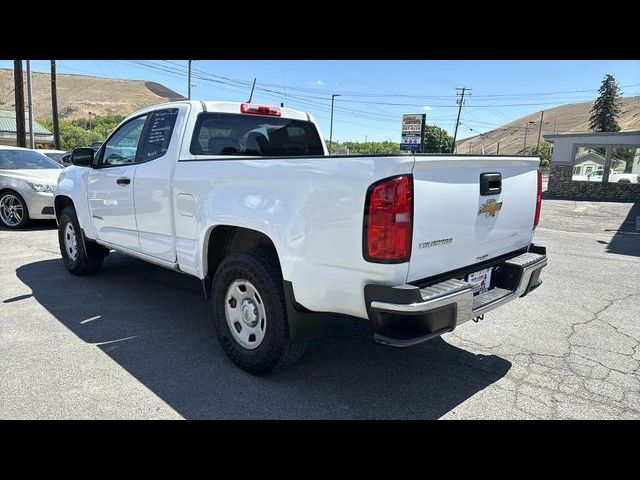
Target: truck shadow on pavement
626 240
156 324
34 225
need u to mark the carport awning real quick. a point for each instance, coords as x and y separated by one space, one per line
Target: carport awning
8 125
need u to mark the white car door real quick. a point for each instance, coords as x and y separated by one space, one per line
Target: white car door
153 187
110 186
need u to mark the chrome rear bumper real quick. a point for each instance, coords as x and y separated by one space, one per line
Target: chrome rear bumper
440 308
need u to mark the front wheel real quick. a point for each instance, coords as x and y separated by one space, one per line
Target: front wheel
80 257
13 210
250 313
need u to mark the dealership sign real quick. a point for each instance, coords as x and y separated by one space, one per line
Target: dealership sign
412 132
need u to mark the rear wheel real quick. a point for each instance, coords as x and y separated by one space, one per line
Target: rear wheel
13 210
250 313
79 257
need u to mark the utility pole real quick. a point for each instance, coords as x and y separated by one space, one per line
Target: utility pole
32 143
554 124
189 86
526 127
498 149
21 140
483 139
54 106
460 102
539 132
333 97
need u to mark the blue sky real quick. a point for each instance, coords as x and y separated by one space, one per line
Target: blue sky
374 94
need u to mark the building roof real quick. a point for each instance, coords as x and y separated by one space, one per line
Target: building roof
591 134
8 124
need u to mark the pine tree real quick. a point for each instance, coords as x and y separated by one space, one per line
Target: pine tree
605 109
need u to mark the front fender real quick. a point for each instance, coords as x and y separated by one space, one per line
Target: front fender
72 183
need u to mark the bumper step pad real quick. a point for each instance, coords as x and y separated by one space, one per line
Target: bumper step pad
457 296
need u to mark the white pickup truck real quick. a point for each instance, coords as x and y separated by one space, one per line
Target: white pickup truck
246 198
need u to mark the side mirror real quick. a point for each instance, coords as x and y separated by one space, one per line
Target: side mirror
82 157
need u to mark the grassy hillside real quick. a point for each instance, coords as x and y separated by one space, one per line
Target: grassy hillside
80 94
573 117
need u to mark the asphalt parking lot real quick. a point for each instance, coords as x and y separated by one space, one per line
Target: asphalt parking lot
136 341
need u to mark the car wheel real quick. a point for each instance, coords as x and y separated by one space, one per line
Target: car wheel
250 314
79 257
13 210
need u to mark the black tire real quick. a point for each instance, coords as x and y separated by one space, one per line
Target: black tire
25 217
276 351
89 255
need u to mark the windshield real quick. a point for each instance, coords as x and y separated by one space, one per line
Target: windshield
254 135
25 160
53 155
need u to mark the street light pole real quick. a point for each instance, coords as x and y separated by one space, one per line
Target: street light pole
526 127
539 133
333 97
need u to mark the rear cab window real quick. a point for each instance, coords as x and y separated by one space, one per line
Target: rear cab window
254 135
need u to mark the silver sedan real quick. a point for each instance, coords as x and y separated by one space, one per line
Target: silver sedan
27 181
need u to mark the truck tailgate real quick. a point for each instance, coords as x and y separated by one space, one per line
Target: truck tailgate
455 225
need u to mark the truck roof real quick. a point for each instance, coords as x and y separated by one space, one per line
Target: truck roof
228 107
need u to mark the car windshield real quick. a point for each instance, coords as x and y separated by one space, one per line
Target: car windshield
53 155
254 135
25 160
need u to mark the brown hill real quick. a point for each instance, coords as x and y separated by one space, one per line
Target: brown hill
80 94
573 117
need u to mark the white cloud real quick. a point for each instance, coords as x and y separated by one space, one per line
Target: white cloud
427 108
320 82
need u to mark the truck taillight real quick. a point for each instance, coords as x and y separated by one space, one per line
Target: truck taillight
538 200
388 220
260 109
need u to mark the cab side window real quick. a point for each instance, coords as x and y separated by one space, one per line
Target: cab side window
122 147
158 135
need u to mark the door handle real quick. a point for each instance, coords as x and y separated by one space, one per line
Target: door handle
490 183
123 181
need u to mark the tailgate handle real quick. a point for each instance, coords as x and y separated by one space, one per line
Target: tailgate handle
490 183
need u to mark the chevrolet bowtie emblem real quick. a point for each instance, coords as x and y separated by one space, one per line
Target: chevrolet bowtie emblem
490 208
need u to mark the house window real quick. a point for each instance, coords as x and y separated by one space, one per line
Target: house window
588 164
625 165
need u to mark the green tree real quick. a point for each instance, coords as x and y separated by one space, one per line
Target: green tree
544 152
436 140
81 132
358 148
606 109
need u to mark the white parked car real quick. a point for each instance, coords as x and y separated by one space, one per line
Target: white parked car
614 177
245 198
27 181
621 177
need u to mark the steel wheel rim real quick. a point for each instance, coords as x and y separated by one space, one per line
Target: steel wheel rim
245 314
11 210
70 242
